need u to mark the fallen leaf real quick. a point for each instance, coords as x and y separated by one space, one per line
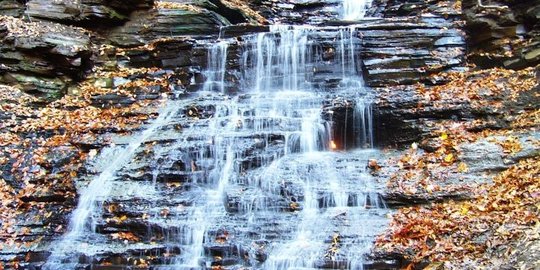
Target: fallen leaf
444 136
462 167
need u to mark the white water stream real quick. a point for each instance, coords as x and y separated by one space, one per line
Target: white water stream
282 98
81 222
355 9
309 207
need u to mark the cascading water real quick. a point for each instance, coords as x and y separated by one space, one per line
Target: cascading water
323 194
82 221
215 74
363 123
354 9
284 100
252 180
273 135
220 131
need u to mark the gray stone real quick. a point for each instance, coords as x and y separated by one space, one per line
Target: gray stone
85 12
163 23
111 100
44 57
11 8
483 156
533 55
402 51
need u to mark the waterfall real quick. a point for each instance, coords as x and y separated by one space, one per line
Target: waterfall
363 123
82 222
281 59
354 9
215 73
280 112
255 181
290 57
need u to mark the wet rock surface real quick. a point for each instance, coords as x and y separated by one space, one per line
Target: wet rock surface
152 199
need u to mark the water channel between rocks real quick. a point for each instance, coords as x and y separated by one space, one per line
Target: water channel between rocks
243 174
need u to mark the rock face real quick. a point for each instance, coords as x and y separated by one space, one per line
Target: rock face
483 155
404 51
181 18
12 8
44 58
167 53
48 57
492 28
91 13
297 11
165 22
417 48
403 116
400 51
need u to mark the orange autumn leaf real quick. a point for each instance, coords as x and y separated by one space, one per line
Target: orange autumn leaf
449 158
125 236
462 167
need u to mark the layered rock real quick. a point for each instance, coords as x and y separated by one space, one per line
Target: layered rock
181 18
498 30
57 55
165 53
90 13
165 21
408 50
237 12
299 11
404 8
12 8
44 58
403 115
